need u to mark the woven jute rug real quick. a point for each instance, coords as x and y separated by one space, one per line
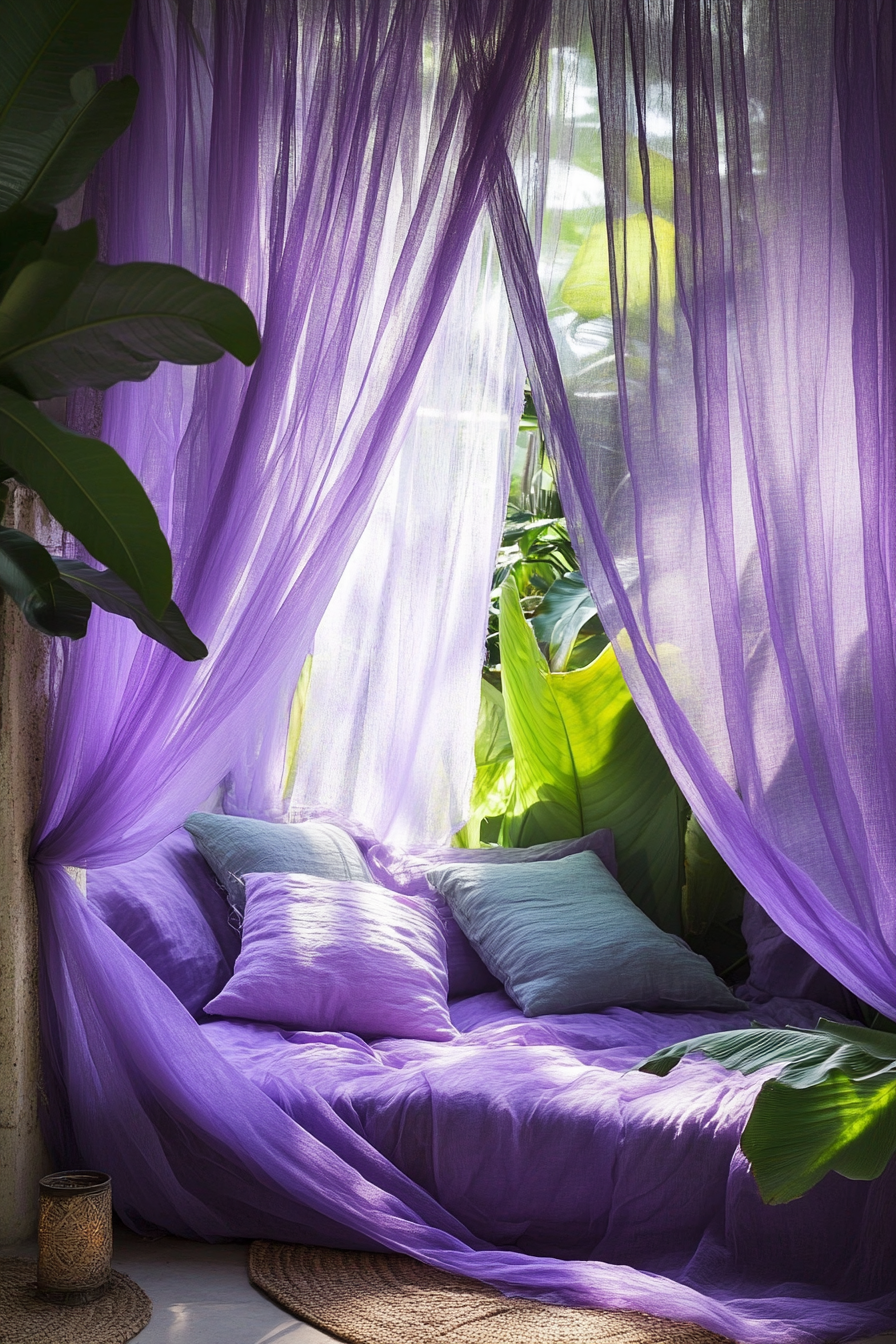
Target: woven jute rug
26 1319
369 1298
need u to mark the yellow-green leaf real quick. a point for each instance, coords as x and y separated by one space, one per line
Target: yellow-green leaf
586 288
585 759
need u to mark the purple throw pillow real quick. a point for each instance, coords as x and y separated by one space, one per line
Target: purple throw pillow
322 955
779 968
405 871
168 908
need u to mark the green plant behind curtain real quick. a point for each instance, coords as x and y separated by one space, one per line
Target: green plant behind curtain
68 321
495 772
560 746
584 759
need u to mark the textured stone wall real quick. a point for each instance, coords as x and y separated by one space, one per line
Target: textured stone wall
23 704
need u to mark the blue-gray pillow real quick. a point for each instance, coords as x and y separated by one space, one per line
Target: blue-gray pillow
563 937
234 846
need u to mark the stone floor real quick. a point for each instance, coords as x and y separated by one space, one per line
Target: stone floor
201 1294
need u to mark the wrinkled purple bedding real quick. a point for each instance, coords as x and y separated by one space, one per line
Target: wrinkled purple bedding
530 1134
534 1135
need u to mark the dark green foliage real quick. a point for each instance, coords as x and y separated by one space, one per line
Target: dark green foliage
93 494
118 322
47 46
105 589
567 626
30 577
68 321
99 117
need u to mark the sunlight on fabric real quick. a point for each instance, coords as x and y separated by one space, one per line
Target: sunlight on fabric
390 717
479 417
720 451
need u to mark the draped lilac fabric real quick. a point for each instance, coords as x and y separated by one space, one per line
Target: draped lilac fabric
390 717
331 161
716 376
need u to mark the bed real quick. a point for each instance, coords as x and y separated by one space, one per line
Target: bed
537 1134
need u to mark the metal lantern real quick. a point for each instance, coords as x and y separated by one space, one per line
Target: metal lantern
74 1237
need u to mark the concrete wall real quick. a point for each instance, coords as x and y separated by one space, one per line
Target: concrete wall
23 704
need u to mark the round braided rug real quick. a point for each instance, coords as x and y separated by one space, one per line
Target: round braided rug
26 1319
371 1298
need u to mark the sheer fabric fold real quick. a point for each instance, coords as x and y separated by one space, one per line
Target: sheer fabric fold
721 412
393 700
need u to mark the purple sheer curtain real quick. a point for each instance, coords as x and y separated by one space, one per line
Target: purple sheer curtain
722 414
331 163
314 169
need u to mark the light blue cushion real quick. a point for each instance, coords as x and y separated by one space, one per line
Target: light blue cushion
234 846
563 937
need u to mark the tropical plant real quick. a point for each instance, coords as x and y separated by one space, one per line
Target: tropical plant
495 772
584 758
67 321
561 748
535 547
832 1108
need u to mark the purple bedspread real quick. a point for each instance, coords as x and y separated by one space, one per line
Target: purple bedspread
534 1134
520 1135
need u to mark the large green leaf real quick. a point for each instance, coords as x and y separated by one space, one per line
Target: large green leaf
793 1138
493 782
122 320
28 575
93 494
108 591
492 745
711 893
587 288
45 278
19 226
585 759
45 43
566 608
66 152
662 178
294 731
832 1108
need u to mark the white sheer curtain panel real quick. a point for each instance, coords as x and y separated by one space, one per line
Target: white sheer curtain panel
390 715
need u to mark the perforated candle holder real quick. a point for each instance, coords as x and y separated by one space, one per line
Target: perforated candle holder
74 1237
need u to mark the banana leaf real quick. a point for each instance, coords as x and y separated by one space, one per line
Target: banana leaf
662 178
29 576
46 43
19 226
41 280
61 158
832 1108
493 782
120 322
587 288
92 492
294 731
105 589
585 759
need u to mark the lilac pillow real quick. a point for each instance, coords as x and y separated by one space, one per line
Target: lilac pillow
167 907
405 871
322 955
